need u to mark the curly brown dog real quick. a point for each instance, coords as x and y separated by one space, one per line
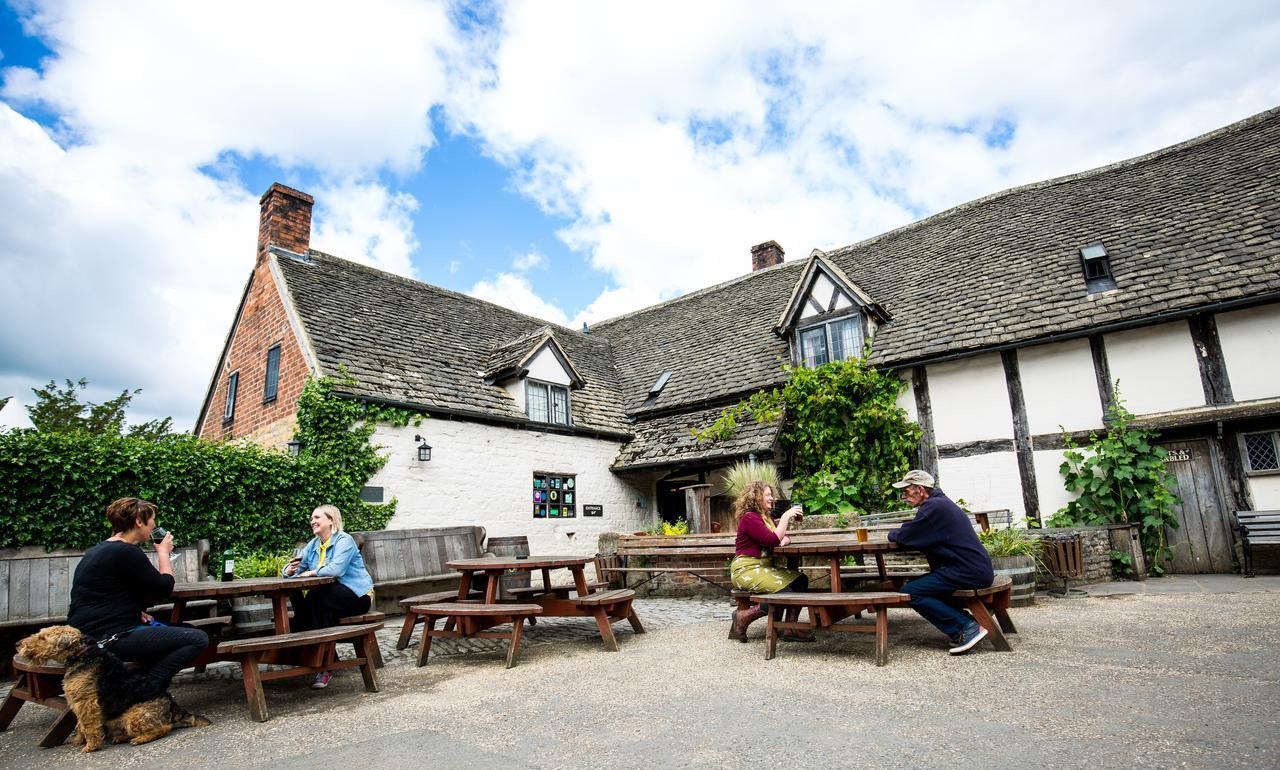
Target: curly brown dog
109 700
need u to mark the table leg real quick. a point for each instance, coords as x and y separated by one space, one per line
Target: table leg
546 580
280 612
491 589
175 614
882 635
253 687
580 581
884 574
464 585
606 629
835 575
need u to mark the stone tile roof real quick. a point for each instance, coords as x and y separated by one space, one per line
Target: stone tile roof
669 441
415 343
509 360
1185 227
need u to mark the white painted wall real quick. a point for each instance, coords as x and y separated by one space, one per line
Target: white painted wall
907 398
1250 344
483 474
969 400
1156 367
1266 492
984 481
546 367
1059 387
1050 489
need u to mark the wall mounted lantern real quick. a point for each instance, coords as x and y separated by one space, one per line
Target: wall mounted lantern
424 449
295 448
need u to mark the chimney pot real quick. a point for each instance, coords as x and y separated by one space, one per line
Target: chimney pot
765 254
284 220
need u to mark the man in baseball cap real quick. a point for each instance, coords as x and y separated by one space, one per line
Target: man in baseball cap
957 559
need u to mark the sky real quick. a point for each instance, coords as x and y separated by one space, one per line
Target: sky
571 160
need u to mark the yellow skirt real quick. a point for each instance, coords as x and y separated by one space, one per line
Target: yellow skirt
759 575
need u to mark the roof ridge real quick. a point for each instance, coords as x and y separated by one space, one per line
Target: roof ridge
1136 160
456 294
704 290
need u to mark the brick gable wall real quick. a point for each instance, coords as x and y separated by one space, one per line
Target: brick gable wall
263 323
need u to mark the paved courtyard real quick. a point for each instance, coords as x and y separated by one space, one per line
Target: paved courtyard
1180 672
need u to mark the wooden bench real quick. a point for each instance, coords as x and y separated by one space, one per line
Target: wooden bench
603 604
308 652
368 617
982 603
407 562
826 610
1256 528
41 685
495 614
412 617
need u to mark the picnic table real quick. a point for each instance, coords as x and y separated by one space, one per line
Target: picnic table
834 550
277 589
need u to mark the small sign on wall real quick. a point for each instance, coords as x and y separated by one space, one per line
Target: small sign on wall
593 510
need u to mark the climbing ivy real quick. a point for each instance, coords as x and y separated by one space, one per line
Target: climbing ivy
55 486
1120 478
848 437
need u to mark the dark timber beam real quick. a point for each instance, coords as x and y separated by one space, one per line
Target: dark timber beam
1213 367
1021 435
1102 372
974 448
924 415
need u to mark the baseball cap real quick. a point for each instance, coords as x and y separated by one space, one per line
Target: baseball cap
915 477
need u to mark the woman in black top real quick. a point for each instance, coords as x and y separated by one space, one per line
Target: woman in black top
114 584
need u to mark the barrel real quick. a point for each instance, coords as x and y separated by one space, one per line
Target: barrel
1022 569
252 615
514 545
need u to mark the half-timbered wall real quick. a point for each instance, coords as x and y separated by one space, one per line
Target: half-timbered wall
1156 367
1251 347
969 400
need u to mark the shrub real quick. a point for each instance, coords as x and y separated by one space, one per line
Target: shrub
742 473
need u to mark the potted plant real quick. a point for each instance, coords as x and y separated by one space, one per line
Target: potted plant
253 614
1016 553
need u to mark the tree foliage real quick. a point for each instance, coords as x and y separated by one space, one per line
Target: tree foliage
55 486
59 410
1120 478
848 437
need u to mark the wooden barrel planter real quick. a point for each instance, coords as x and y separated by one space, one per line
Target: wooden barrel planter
1022 569
514 545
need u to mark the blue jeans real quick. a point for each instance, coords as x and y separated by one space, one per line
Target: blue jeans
931 597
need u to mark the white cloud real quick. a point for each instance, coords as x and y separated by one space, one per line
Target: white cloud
515 292
365 222
526 262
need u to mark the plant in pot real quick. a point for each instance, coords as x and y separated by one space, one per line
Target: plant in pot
1015 552
253 614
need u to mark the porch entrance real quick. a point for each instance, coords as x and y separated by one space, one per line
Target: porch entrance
1202 543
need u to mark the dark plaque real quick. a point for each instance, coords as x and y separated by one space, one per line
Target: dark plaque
593 510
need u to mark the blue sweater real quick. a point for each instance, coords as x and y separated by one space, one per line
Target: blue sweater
342 561
943 532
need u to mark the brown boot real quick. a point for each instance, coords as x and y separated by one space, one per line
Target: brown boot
791 616
744 618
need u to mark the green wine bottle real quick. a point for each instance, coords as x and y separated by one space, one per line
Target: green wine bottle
228 566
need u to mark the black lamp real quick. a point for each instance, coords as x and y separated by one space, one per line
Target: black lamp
424 449
295 447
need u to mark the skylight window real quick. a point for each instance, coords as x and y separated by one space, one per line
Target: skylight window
1097 268
660 384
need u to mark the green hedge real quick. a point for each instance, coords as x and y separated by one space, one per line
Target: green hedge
55 487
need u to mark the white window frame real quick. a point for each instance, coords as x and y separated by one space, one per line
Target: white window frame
550 389
1244 452
826 326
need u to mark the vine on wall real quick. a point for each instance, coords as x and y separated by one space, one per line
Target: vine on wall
849 438
54 486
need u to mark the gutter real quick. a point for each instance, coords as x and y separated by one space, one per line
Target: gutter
484 417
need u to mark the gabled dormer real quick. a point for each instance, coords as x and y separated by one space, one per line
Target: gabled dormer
828 318
538 374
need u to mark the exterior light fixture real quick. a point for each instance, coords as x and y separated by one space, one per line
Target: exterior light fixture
295 448
424 449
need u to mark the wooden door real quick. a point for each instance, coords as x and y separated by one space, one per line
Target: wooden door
1202 541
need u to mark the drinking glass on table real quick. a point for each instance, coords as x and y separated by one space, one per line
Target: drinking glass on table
157 536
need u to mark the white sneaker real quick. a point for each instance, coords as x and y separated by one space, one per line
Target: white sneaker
970 639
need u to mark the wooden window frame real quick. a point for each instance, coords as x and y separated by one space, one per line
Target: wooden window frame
549 386
270 386
826 322
1244 452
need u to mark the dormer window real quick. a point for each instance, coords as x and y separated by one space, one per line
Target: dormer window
835 340
1097 268
545 402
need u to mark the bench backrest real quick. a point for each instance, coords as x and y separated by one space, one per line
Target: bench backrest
35 584
393 555
1258 523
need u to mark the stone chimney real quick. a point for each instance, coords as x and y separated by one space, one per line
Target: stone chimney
765 254
284 220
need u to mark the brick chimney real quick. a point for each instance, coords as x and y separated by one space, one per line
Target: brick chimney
284 220
765 254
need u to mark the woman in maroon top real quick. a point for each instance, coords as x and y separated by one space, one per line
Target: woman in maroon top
752 568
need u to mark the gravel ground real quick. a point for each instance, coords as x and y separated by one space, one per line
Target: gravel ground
1153 680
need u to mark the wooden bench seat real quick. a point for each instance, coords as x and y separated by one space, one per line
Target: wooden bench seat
309 652
826 610
495 614
982 603
604 604
412 618
1256 528
42 685
368 617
